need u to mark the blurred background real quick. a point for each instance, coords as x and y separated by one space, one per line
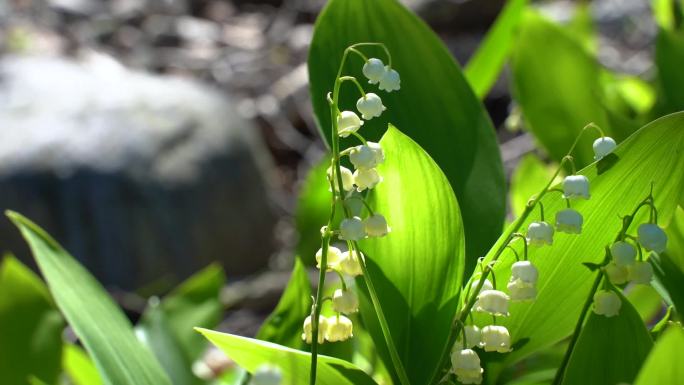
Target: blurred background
154 137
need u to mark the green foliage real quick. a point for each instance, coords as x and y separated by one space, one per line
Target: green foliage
529 178
79 367
30 326
669 280
416 269
610 350
294 364
435 106
313 209
664 364
95 318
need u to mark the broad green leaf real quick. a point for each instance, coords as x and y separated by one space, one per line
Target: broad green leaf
417 268
556 83
669 57
618 183
484 67
294 364
102 327
610 350
529 178
664 363
284 325
30 326
79 367
435 106
646 300
675 238
669 281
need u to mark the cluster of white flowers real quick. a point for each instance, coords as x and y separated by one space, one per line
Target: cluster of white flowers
332 329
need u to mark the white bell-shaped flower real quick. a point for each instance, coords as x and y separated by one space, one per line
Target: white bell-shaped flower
487 285
345 301
521 291
351 229
376 226
617 274
524 271
569 221
496 339
494 302
390 80
640 273
377 150
466 365
366 178
267 375
333 259
472 335
603 146
340 328
347 178
370 106
373 69
350 264
606 303
347 123
322 329
624 254
576 187
367 155
651 237
539 234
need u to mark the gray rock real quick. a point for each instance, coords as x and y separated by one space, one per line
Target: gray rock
141 177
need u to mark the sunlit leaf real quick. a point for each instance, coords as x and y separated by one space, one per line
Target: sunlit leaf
79 367
664 364
529 178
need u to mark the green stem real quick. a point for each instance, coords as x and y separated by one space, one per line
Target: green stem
316 311
356 82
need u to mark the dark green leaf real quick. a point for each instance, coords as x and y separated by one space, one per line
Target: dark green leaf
664 364
669 280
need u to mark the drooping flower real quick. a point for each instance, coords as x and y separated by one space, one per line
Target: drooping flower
347 178
370 106
345 301
373 69
390 80
494 302
376 226
576 186
521 291
366 178
340 328
603 146
523 281
617 274
377 151
487 285
347 123
624 254
569 221
350 264
496 339
651 237
641 273
333 259
606 303
539 234
366 156
267 375
472 335
351 229
322 329
466 365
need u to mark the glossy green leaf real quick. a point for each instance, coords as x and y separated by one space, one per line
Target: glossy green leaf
484 67
618 183
294 364
101 325
79 367
417 268
30 326
610 350
664 364
529 178
556 83
435 106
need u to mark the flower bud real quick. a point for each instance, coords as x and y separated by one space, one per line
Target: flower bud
624 254
496 339
466 365
370 106
373 69
267 375
339 328
569 221
652 237
617 274
347 178
576 186
366 178
345 301
390 80
322 329
607 303
376 226
350 264
640 273
539 234
351 229
603 146
494 302
347 123
333 260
